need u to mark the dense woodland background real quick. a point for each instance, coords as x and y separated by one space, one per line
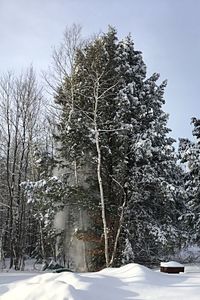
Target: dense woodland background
98 142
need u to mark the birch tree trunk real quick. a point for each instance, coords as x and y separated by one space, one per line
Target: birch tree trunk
103 209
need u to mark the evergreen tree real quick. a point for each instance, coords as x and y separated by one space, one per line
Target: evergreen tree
190 156
156 193
138 162
97 78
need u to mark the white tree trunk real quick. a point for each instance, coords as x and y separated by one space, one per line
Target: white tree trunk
103 210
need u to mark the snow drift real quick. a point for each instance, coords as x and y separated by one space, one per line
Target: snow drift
128 282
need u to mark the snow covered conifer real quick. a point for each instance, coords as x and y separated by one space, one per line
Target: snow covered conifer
154 184
113 139
190 156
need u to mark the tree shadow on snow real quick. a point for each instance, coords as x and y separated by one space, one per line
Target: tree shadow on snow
104 287
3 290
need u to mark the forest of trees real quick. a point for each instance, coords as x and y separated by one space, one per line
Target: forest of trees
98 145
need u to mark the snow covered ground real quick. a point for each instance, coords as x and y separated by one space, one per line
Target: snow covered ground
133 282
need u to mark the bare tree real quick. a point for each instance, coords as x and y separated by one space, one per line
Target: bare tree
63 59
63 68
20 100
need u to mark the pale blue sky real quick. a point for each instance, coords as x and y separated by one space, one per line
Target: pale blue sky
166 31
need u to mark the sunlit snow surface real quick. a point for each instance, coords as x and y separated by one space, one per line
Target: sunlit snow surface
129 282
